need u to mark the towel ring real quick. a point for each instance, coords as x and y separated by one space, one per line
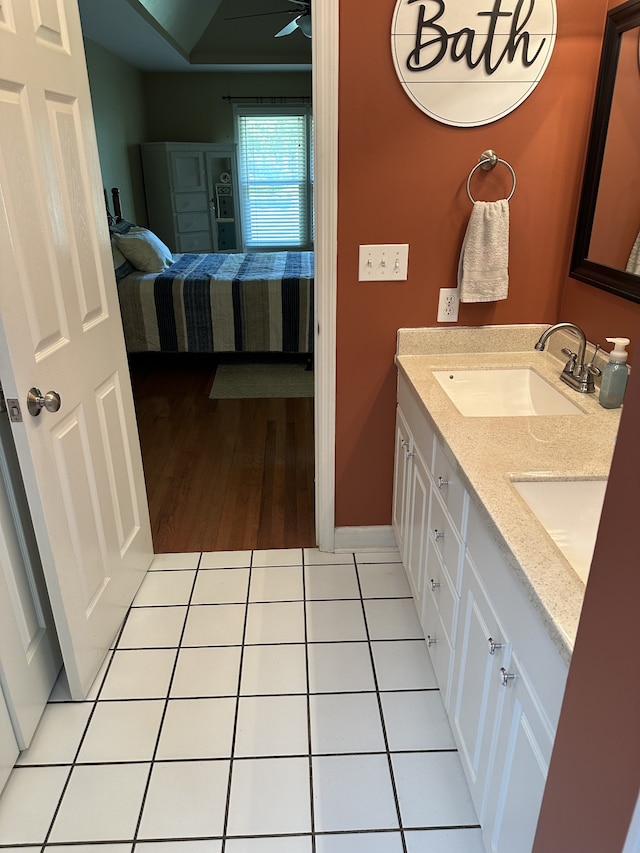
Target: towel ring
488 160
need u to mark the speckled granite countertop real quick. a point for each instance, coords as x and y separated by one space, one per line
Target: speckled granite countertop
491 452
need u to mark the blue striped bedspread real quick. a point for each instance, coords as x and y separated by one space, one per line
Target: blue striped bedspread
245 302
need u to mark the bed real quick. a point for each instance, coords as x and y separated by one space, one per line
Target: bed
258 302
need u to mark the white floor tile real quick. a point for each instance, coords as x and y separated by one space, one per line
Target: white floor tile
391 556
98 681
197 728
416 720
345 722
335 621
272 725
278 557
153 627
28 803
353 792
186 799
275 622
392 619
445 841
214 625
207 672
403 665
315 557
221 586
58 735
167 562
276 583
202 846
328 581
225 560
273 669
439 773
165 588
101 803
269 795
361 842
122 731
143 674
84 848
383 580
294 844
340 667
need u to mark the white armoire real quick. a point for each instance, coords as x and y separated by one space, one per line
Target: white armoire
192 195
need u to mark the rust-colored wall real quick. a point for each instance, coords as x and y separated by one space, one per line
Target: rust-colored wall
594 775
617 215
402 179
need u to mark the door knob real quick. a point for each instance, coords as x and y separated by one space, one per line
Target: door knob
36 401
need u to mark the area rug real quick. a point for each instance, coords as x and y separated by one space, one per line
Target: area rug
236 381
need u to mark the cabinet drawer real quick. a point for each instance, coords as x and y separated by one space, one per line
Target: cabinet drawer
187 202
195 242
445 538
450 488
439 587
192 222
440 650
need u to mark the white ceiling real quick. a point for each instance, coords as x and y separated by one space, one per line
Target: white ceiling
125 28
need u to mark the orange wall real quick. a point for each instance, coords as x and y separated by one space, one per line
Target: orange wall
402 179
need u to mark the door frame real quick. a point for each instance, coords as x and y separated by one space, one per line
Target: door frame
324 53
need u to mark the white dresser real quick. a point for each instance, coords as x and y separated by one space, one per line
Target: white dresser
192 195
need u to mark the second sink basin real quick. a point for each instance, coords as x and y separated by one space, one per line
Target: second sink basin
503 393
569 510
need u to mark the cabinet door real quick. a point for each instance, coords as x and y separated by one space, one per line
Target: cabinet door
417 525
8 745
187 171
477 699
523 752
403 446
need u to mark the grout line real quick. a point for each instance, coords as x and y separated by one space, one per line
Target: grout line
312 814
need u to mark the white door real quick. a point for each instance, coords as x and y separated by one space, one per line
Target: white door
61 331
29 653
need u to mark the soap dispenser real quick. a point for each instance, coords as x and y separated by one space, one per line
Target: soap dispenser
614 375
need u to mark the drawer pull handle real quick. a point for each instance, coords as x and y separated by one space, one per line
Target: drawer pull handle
435 585
404 443
493 646
442 482
410 453
431 641
437 534
505 677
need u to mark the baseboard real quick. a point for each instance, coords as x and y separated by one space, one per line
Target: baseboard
375 538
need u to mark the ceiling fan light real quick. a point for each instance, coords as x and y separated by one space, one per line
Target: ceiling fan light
304 24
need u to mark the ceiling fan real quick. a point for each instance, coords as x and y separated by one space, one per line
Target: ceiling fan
301 22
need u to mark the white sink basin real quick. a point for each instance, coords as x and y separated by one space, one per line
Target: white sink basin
503 393
569 511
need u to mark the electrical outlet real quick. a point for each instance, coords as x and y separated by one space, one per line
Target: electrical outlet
448 303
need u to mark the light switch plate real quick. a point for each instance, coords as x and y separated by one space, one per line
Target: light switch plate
387 262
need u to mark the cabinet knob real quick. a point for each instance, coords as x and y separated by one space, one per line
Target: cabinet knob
442 482
431 641
505 677
493 645
434 584
437 534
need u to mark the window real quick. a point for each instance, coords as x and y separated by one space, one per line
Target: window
275 176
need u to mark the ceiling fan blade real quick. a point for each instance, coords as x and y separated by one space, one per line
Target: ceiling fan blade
290 27
260 14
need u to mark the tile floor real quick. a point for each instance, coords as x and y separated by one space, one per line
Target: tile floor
254 702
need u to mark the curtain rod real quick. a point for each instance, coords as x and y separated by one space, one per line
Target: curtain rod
271 99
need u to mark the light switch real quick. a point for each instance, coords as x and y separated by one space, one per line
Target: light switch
383 262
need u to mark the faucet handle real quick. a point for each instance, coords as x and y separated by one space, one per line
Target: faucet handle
570 365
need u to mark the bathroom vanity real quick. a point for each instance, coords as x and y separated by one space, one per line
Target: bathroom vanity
498 599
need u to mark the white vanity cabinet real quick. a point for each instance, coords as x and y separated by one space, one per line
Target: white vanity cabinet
501 677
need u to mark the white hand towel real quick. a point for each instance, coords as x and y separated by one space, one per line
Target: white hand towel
483 268
633 264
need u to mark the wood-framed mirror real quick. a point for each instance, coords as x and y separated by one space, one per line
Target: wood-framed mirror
606 250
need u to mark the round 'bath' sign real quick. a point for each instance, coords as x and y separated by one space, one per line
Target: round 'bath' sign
471 62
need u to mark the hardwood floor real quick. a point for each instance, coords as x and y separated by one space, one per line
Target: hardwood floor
221 474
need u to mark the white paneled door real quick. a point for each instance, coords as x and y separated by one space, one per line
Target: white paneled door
61 331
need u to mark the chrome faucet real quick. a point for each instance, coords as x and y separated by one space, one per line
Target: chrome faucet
576 373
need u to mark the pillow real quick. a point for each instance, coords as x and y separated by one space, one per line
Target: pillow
123 226
121 265
145 251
